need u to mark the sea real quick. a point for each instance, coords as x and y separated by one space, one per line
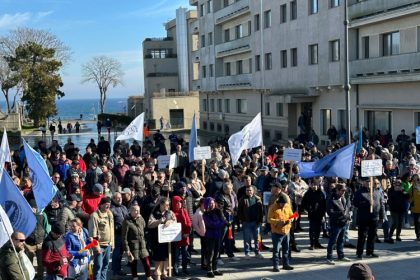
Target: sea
71 109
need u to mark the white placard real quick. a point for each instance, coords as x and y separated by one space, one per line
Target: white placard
167 161
371 168
292 154
266 198
201 153
170 233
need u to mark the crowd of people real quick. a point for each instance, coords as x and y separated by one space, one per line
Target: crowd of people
115 200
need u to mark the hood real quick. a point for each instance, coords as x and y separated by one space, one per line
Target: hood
175 201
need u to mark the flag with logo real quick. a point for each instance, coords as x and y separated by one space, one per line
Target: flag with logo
249 137
193 140
42 185
337 164
134 130
6 228
16 207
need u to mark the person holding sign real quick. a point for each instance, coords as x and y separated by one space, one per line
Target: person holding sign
160 215
368 220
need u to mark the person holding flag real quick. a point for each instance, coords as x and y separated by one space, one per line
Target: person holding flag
11 261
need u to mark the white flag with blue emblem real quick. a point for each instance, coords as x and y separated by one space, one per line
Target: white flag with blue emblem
5 227
134 130
16 207
193 140
42 185
249 137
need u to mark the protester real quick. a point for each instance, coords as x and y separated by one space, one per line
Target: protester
360 271
55 256
76 240
10 263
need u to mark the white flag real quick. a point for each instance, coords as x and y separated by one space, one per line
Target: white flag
5 227
134 130
4 152
249 137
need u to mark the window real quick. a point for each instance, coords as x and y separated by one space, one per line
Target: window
278 135
257 63
204 125
227 69
267 108
196 71
267 19
201 10
279 109
203 71
365 42
227 35
210 37
227 105
209 6
293 57
219 127
313 7
203 41
334 3
293 10
378 120
257 22
211 70
313 54
417 119
239 67
226 128
341 119
204 105
225 3
335 50
159 53
238 31
283 58
212 126
241 106
249 27
211 105
266 134
325 120
391 43
250 65
268 61
283 13
219 105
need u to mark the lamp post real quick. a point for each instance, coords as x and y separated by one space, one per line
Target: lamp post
346 74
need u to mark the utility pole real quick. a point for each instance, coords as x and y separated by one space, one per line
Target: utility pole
346 74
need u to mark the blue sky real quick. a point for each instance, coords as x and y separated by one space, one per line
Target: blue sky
92 28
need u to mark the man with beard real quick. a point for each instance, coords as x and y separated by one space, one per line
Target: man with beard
9 261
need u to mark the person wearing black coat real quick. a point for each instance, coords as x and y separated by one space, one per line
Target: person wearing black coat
120 212
315 204
397 200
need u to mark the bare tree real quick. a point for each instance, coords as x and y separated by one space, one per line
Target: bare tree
104 71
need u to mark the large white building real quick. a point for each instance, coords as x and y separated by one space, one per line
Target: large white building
286 58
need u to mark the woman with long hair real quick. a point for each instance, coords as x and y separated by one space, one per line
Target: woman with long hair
76 239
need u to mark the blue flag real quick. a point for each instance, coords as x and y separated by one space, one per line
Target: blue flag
193 140
337 164
360 143
42 185
16 207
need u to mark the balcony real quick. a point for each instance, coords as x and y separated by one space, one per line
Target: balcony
159 39
371 7
233 11
193 2
238 46
395 68
243 81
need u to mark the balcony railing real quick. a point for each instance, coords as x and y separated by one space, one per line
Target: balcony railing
232 11
371 7
162 75
243 81
159 39
386 65
233 47
174 93
149 56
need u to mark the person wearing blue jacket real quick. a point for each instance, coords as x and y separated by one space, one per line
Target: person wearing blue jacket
76 239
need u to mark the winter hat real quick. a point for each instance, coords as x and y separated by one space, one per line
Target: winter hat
98 188
360 271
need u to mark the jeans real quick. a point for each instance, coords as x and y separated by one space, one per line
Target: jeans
251 231
396 223
280 242
117 254
314 231
212 251
336 237
101 262
180 251
346 234
366 228
385 228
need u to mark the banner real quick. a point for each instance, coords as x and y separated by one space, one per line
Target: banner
6 228
193 140
134 130
42 185
249 137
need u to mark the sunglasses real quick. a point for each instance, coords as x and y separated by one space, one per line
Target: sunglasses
20 240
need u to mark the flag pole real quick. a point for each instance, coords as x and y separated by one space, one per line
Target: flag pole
14 249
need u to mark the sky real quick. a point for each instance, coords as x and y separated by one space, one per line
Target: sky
114 28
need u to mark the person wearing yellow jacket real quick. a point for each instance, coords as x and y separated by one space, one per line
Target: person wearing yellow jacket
415 203
279 215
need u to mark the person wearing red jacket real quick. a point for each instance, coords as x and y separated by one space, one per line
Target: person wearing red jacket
55 256
91 201
181 247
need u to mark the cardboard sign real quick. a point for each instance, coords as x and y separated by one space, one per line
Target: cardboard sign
266 198
167 161
170 233
292 154
201 153
371 168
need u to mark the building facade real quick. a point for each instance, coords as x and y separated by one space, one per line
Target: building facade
170 89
